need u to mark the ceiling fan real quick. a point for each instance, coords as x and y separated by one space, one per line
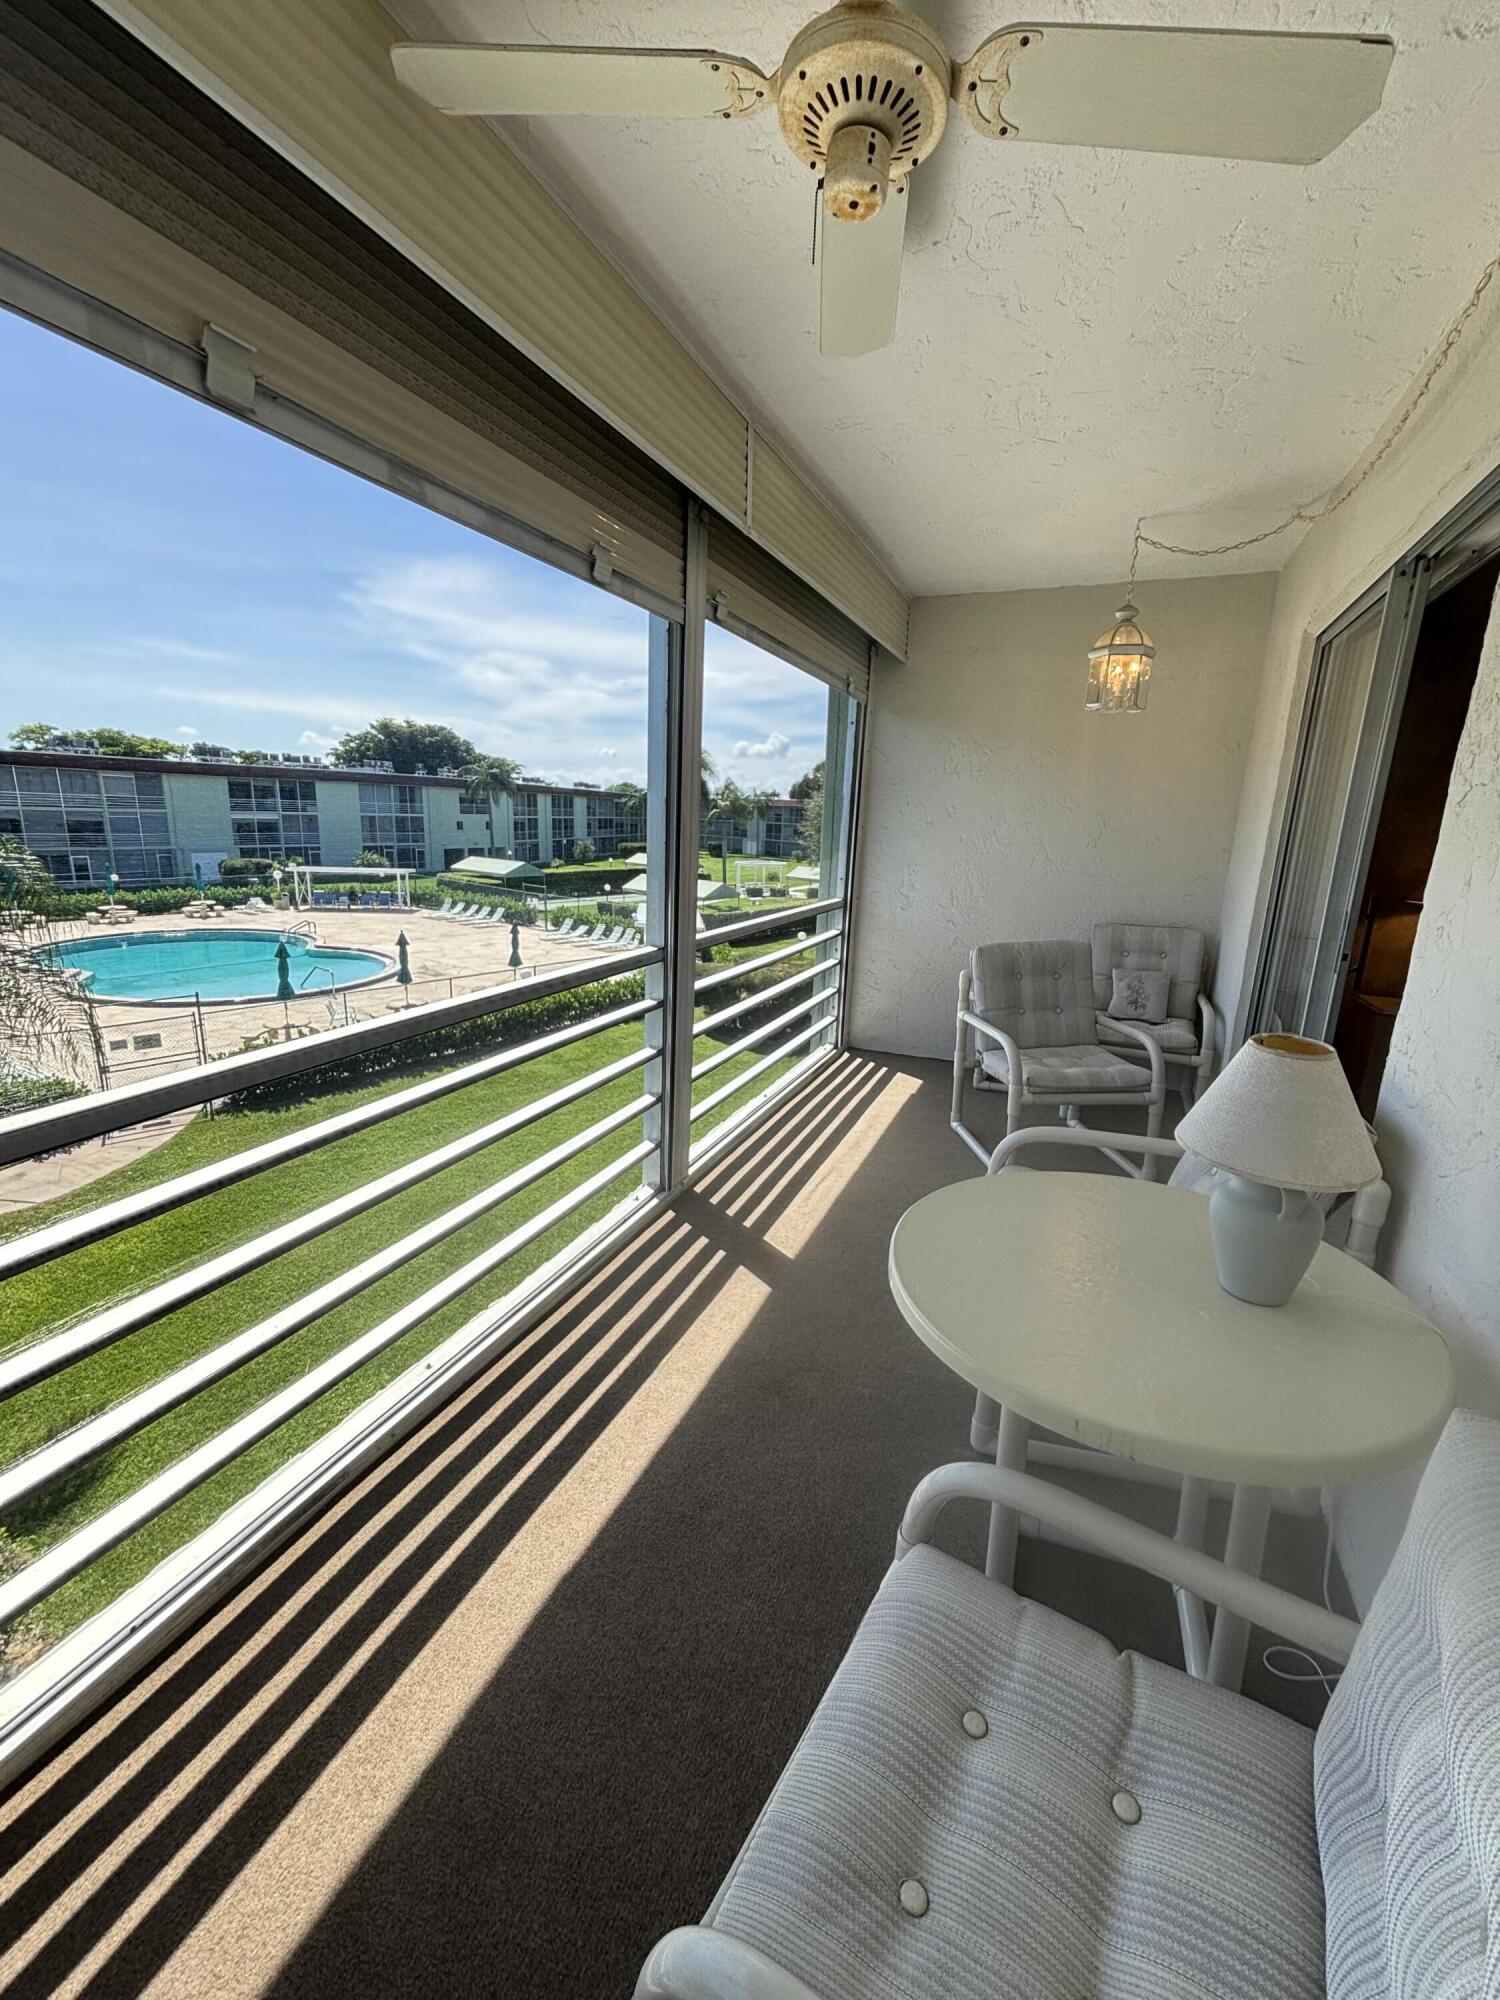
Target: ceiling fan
862 95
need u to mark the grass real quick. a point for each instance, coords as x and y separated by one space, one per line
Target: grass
65 1291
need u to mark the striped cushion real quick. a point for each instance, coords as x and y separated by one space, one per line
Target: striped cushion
1177 1037
1083 1068
1177 949
1408 1755
1040 993
1034 1888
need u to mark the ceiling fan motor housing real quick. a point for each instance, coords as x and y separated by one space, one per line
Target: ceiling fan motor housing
863 100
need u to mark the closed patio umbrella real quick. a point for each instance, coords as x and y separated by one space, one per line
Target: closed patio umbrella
403 963
198 876
515 960
284 990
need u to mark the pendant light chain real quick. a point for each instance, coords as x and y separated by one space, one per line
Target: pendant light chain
1307 511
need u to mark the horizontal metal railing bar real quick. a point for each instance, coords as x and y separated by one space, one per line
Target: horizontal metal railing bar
46 1357
760 998
727 974
123 1419
761 1034
747 1076
116 1524
39 1246
78 1671
745 927
78 1118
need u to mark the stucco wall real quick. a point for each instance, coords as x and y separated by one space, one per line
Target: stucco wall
995 807
1439 1112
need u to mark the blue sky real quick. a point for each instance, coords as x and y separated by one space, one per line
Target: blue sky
165 568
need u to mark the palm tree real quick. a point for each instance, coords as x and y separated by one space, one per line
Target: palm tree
48 1032
491 777
729 806
630 804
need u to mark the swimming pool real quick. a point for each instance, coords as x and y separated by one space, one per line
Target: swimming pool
213 965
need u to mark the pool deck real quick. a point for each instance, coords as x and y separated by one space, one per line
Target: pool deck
146 1040
445 958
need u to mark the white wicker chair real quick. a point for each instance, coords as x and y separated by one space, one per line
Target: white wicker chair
1026 1026
990 1803
1189 1034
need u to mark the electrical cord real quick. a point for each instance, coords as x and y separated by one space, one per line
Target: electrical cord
1308 512
1328 1677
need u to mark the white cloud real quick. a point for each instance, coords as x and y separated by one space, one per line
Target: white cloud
774 745
188 731
314 739
275 701
546 662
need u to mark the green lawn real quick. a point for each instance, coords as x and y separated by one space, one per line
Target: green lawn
66 1290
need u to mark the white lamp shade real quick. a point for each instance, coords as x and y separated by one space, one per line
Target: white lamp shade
1282 1114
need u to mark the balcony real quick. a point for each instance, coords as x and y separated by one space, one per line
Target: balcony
567 1630
458 1416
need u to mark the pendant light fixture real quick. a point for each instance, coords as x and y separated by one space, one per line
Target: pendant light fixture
1120 665
1120 658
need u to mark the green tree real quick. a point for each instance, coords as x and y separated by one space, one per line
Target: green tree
491 778
47 1026
758 806
631 803
581 851
809 838
33 735
727 807
372 857
406 745
126 743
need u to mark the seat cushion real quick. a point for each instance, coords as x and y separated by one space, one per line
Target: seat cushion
1408 1754
971 1743
1083 1068
1177 949
1041 993
1177 1037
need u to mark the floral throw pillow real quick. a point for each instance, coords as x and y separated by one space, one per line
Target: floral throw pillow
1139 996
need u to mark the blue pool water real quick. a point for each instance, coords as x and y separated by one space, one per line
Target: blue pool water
216 965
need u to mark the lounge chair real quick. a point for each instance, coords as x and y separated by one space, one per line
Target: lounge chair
444 909
383 899
991 1799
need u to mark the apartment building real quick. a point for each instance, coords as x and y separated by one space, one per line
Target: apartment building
88 816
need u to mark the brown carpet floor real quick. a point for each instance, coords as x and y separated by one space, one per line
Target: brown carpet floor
503 1715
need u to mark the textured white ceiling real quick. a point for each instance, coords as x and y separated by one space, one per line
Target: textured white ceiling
1084 336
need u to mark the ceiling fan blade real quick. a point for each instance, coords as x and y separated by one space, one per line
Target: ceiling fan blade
862 278
490 80
1220 93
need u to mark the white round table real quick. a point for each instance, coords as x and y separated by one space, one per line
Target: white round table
1091 1305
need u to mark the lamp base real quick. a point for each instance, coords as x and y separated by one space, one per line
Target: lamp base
1263 1237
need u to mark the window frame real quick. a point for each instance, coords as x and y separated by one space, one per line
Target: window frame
81 1668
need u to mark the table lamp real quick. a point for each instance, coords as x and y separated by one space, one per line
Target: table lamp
1280 1122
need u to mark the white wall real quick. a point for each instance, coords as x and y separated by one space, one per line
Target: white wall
1438 1123
995 807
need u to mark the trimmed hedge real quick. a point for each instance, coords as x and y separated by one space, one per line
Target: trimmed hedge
587 878
440 1045
74 904
31 1093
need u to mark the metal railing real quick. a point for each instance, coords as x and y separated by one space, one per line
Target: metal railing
793 1021
55 1126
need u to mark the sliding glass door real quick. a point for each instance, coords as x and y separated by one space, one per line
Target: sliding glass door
1358 682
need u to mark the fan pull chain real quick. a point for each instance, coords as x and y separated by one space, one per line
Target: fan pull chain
1307 511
